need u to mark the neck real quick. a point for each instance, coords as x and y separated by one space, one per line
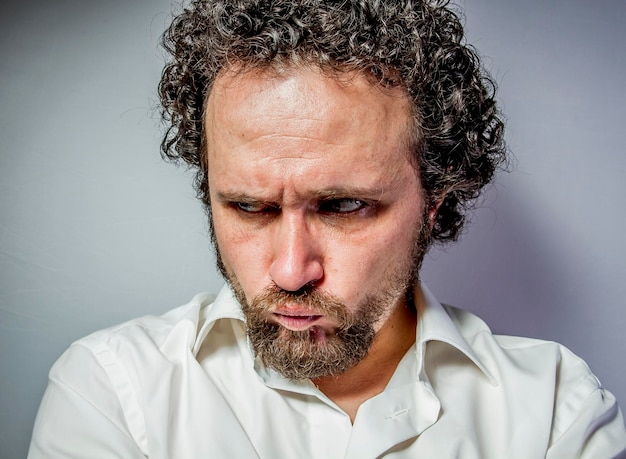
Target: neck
370 376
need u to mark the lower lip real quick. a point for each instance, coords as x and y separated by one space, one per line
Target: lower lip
296 323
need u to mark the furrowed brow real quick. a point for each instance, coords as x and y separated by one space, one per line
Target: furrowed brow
349 192
322 194
234 196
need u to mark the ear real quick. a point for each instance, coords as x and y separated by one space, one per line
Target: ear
432 211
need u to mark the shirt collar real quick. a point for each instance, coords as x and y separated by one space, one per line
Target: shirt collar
214 308
435 324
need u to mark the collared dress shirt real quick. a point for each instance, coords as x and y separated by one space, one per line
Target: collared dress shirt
186 385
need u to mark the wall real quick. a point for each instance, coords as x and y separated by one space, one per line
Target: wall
95 228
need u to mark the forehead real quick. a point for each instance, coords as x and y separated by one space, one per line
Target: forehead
300 122
298 93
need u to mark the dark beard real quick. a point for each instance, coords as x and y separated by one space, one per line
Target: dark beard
316 352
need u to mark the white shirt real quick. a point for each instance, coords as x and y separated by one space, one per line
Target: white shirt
186 385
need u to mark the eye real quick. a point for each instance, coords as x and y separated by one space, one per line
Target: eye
252 207
342 206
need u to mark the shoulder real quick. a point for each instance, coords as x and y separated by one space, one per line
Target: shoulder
510 358
548 381
525 354
181 322
138 342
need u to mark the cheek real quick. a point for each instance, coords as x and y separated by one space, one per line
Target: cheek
396 244
242 253
356 268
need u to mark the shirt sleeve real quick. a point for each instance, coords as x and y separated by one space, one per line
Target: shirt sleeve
80 414
589 424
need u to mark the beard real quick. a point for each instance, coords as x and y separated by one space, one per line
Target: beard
317 352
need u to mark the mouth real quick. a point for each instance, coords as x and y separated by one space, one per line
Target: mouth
296 320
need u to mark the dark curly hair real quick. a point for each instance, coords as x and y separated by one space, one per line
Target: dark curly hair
415 44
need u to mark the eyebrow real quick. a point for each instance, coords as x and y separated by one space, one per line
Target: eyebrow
349 192
330 193
234 196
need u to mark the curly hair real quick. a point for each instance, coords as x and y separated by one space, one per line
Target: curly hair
415 44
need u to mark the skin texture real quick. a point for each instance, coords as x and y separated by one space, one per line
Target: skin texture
310 185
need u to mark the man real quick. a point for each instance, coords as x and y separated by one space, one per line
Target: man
334 142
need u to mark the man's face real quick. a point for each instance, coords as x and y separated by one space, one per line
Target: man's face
317 212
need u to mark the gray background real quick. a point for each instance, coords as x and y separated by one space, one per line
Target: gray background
95 229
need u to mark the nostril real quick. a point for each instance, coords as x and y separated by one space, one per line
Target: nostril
293 281
296 277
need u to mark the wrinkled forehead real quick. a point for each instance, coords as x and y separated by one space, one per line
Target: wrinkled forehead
304 126
358 92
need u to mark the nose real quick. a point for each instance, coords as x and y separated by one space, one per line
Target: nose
296 258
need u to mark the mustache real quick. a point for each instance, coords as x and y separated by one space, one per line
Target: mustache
310 298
